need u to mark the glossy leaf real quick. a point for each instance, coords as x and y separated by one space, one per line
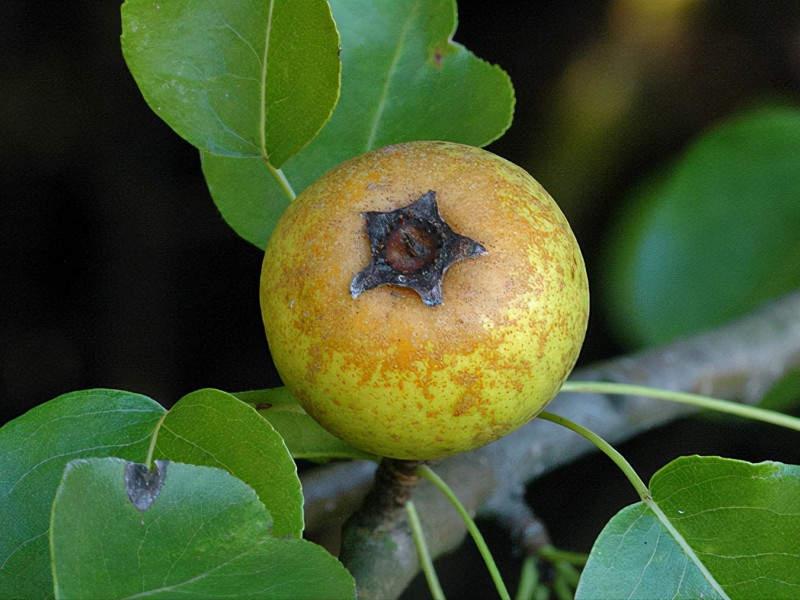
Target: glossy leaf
305 438
34 449
234 77
403 79
212 428
206 535
713 237
736 533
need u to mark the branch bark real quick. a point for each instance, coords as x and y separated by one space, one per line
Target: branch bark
739 361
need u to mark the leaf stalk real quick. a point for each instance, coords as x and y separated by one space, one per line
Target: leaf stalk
427 473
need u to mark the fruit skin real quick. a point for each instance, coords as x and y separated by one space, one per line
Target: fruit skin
397 378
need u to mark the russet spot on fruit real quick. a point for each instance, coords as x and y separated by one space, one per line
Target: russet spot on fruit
498 331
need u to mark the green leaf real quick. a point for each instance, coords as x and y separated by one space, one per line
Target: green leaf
403 79
784 395
206 535
34 449
305 438
235 77
713 237
247 195
212 428
726 527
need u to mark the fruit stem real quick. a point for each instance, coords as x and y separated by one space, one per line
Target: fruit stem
425 472
380 522
723 406
394 481
422 551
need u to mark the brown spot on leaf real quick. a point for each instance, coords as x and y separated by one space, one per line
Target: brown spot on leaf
438 55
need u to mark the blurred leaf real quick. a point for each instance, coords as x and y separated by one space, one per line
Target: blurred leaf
234 77
403 79
741 527
714 237
207 535
212 428
784 395
305 438
34 449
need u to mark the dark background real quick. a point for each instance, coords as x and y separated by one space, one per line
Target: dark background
117 270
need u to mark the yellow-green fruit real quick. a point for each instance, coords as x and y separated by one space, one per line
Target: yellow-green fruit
391 375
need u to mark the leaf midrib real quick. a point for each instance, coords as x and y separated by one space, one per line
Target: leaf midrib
263 91
687 549
401 42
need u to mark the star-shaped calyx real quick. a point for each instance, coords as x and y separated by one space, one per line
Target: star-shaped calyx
412 247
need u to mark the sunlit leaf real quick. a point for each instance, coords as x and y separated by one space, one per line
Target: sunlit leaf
34 449
403 79
712 238
212 428
303 435
726 527
206 535
235 77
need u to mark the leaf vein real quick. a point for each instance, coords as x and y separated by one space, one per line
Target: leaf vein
401 41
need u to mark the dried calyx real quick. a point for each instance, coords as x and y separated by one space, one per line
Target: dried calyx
412 247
